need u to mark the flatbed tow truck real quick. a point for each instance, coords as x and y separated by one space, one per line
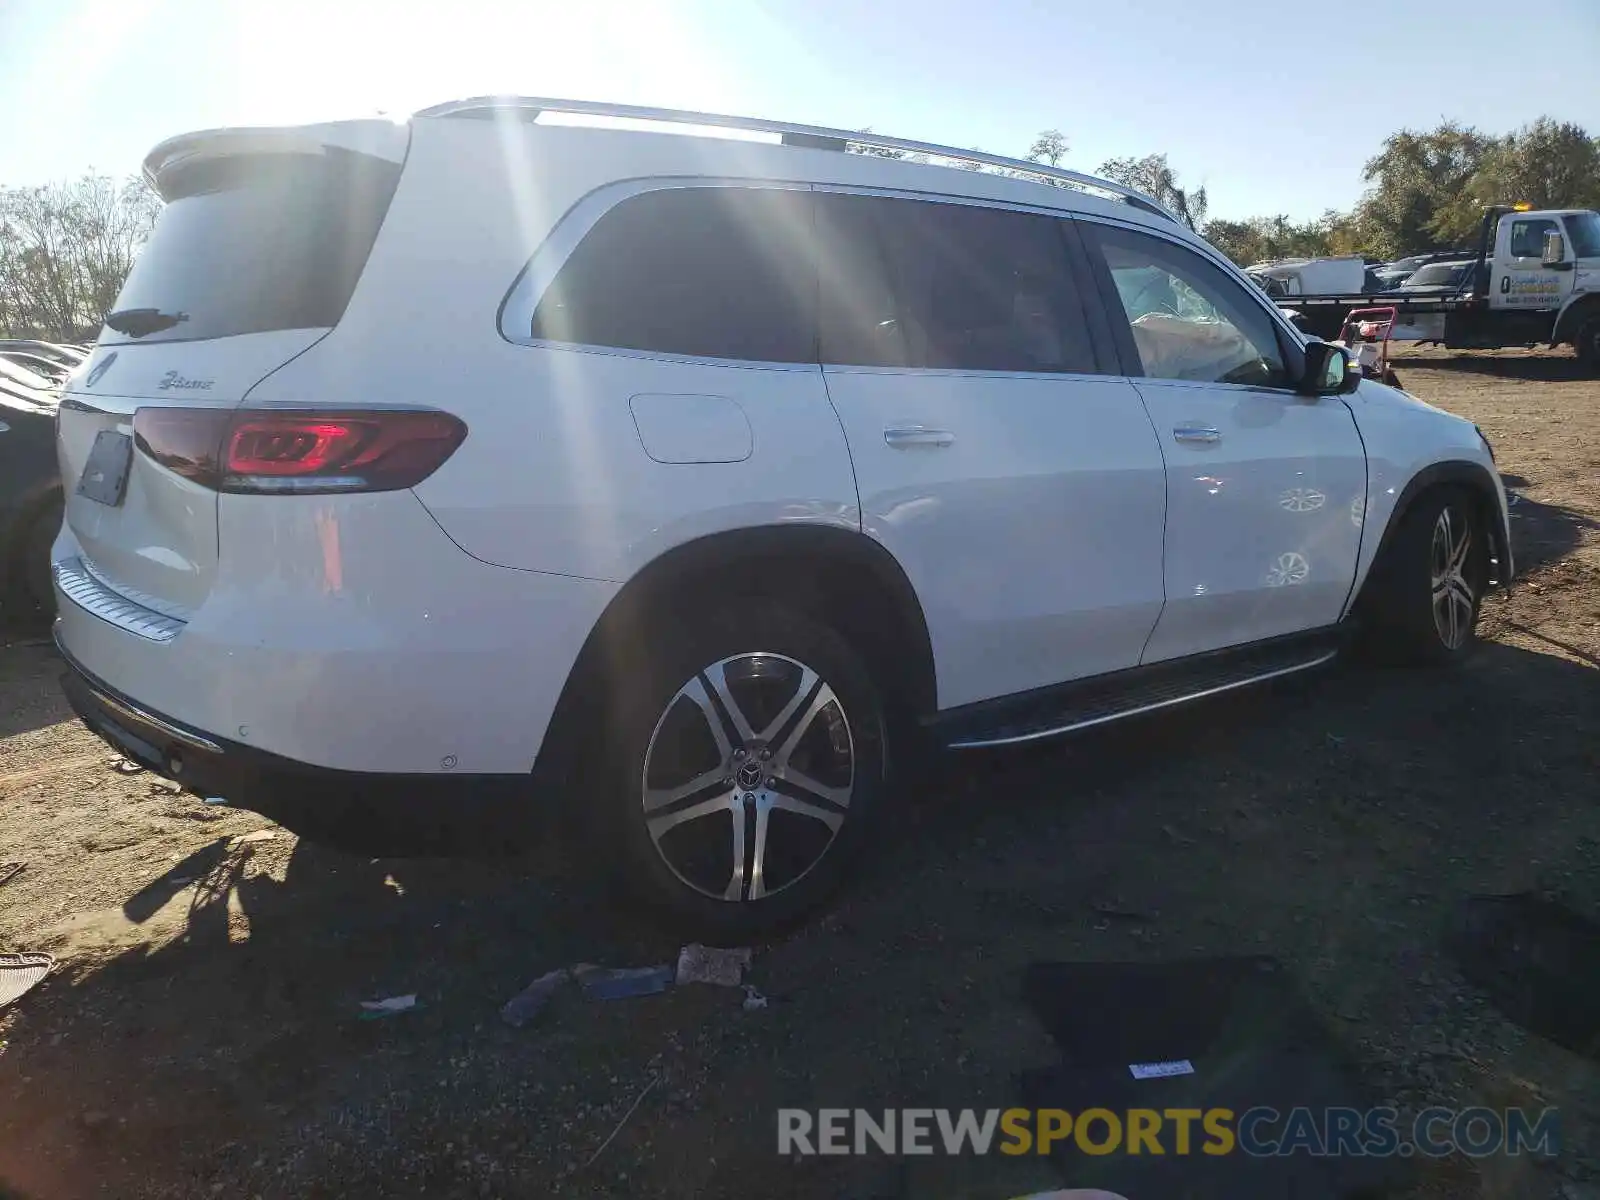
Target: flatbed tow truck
1535 279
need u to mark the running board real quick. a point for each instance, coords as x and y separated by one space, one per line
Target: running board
1089 702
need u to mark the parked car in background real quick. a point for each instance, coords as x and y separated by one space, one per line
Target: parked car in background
51 360
30 492
696 481
1444 278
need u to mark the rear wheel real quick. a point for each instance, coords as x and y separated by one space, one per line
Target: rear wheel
749 765
1587 343
1424 605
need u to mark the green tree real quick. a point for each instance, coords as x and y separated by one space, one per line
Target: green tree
1417 181
65 249
1050 147
1548 164
1154 176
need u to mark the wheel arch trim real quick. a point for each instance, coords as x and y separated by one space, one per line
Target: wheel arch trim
730 551
1463 472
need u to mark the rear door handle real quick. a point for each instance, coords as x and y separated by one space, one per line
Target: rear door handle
911 437
1196 435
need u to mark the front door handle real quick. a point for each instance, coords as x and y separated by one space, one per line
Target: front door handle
1197 435
911 437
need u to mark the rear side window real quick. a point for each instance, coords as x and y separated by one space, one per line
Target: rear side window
911 283
254 243
715 272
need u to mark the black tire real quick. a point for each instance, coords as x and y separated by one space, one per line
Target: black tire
686 866
1423 600
1587 343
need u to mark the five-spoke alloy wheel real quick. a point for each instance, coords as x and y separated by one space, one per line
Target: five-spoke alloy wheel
754 758
1423 597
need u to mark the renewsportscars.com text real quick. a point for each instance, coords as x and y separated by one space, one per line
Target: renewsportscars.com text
1260 1132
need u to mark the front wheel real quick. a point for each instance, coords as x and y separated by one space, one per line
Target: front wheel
751 761
1429 587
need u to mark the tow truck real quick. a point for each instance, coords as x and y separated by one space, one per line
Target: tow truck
1535 279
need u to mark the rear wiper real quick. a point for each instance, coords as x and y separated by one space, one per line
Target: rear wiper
137 322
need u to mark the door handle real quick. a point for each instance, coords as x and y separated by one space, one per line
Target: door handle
1197 435
911 437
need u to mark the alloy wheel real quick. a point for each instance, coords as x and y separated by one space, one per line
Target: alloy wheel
1453 600
748 776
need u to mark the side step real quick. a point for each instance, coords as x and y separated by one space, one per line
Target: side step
1087 702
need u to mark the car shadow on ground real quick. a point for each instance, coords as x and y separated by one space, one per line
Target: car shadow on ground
1544 533
1343 790
30 668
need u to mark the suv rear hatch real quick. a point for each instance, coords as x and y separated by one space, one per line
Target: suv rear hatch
253 259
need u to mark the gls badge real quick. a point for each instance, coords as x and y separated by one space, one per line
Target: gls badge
172 380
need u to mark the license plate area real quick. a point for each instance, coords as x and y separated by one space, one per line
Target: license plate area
105 474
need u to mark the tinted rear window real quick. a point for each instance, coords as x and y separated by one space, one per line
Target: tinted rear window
249 244
718 272
912 283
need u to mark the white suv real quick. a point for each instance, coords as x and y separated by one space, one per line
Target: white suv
485 464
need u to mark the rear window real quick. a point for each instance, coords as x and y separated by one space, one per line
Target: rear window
715 272
250 244
1438 274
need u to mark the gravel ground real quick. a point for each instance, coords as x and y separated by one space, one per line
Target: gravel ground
200 1037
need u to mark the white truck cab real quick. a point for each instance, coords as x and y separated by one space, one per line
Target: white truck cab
1535 278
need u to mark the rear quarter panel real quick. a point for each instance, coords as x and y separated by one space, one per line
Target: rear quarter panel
553 475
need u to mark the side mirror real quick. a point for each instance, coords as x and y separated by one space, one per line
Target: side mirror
1555 250
1329 371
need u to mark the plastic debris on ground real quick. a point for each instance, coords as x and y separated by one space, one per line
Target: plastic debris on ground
20 973
753 999
708 964
530 1001
126 766
618 983
372 1010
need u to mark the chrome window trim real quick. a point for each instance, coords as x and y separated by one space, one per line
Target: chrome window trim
528 289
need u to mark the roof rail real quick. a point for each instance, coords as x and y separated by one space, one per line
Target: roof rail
527 108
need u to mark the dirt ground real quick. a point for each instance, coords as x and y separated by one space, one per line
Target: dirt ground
200 1034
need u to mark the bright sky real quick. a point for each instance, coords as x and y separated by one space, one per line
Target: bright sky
96 83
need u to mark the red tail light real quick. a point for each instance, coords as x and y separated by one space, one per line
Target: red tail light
299 450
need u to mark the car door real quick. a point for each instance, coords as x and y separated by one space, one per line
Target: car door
1019 487
1525 281
1265 487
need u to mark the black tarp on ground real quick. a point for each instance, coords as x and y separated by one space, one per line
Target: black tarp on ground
1252 1042
1538 961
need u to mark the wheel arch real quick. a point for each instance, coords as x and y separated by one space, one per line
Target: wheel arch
838 575
1477 481
1573 315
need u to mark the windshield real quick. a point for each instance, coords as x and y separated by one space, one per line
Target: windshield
249 244
1584 229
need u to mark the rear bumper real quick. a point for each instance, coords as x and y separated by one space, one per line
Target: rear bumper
343 631
418 808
